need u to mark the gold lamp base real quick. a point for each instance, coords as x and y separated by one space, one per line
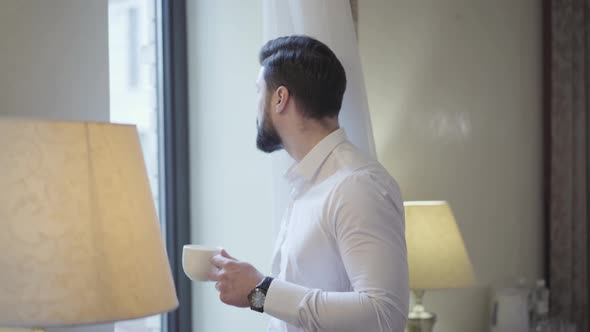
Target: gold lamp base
420 320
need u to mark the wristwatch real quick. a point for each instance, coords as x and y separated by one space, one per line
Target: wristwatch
257 296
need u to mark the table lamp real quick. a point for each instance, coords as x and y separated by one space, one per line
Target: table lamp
80 241
437 258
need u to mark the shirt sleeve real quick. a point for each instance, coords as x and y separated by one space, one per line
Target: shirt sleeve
365 215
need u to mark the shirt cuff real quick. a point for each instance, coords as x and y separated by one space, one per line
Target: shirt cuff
283 300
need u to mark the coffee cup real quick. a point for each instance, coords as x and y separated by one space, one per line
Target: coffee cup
196 261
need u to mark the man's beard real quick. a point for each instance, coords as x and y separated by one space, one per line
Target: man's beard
267 139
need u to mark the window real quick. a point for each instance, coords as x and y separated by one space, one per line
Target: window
135 98
148 88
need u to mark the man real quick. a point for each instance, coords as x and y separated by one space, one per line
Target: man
340 260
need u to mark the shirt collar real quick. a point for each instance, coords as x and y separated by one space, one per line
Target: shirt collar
305 170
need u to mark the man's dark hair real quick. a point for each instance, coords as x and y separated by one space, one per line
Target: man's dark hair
309 70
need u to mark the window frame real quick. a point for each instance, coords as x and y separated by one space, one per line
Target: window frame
175 161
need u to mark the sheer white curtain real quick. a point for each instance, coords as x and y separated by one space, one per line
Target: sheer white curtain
331 22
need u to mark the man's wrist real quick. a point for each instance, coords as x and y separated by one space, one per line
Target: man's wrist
257 296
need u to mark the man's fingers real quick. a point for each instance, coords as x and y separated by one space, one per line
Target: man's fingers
214 275
226 255
219 261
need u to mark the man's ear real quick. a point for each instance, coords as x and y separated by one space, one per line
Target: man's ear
282 98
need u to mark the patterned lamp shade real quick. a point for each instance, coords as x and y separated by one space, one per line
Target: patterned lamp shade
437 258
80 241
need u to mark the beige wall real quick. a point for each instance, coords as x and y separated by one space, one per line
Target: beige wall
455 96
54 65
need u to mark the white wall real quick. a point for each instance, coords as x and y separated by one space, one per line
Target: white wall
54 65
230 180
54 59
455 96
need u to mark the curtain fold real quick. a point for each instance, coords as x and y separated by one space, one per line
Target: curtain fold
569 153
331 22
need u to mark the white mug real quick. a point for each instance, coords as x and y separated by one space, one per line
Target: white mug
196 261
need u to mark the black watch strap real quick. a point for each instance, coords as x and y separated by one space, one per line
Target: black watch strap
253 297
264 285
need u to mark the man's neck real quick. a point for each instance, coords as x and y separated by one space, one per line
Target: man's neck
302 143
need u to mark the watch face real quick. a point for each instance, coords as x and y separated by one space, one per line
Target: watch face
258 298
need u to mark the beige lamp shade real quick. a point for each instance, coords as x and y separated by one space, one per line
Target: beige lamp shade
437 258
80 241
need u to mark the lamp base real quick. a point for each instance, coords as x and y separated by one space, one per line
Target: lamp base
421 324
420 320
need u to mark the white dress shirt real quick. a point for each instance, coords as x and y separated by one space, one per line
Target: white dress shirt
340 259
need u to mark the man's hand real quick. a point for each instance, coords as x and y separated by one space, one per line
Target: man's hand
235 279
